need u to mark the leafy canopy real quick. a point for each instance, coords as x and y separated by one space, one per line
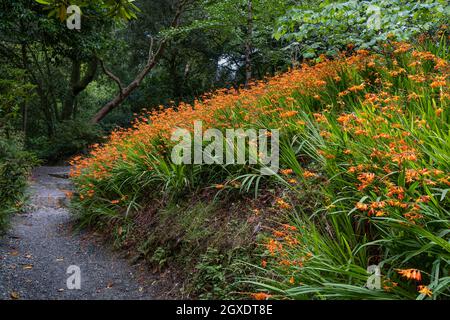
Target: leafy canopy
122 9
329 26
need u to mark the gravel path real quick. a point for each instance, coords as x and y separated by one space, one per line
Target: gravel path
40 247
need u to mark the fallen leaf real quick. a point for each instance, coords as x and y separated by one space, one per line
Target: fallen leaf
59 259
28 267
109 285
14 253
29 256
14 295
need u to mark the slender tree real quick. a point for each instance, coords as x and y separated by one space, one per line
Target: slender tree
154 55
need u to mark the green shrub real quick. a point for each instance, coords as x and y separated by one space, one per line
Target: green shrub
15 165
330 27
71 137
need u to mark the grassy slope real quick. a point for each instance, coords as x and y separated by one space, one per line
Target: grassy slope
365 159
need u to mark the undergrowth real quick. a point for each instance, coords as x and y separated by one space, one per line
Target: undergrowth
15 166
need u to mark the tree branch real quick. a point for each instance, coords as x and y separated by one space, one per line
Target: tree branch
112 76
153 58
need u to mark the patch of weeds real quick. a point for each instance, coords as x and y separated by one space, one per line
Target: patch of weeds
159 257
217 275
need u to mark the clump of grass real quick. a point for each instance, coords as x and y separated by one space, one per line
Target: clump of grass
382 168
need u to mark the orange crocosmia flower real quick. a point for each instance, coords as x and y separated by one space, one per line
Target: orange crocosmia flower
411 175
286 172
320 83
69 194
285 262
395 190
413 215
320 117
273 246
362 206
423 199
325 134
289 227
410 274
437 172
292 280
279 234
219 186
308 174
362 52
380 213
445 180
437 84
371 64
413 96
115 201
288 114
377 205
283 204
401 47
366 179
425 291
343 93
361 132
261 296
264 263
357 88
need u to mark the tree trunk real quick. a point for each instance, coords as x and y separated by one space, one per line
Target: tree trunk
77 85
125 93
177 79
248 43
45 108
25 119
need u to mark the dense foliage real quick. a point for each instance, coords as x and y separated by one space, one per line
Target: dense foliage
380 156
15 167
15 163
330 26
358 89
365 170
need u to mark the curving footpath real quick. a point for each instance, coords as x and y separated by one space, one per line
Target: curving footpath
40 247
